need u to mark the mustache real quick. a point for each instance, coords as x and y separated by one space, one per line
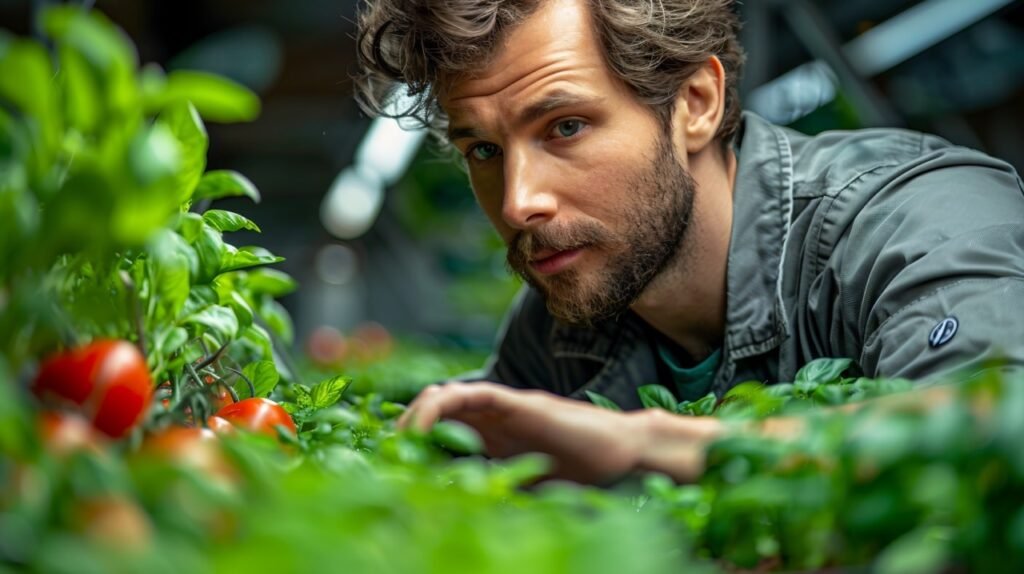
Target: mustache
557 238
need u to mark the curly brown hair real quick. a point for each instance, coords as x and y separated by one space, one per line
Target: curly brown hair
652 46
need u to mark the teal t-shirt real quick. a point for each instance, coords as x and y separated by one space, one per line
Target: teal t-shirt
693 382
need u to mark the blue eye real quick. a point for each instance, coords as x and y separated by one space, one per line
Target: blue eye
484 151
569 128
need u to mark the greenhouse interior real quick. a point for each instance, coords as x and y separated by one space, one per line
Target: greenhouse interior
489 286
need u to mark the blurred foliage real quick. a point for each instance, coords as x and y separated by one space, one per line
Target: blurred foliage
838 114
98 173
436 205
412 367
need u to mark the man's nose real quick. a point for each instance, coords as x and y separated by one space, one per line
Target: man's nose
528 199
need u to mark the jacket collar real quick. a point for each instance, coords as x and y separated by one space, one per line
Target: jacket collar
762 207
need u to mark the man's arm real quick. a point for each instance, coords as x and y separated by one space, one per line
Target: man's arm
592 445
587 444
933 270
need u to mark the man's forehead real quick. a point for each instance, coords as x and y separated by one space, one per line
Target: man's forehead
556 34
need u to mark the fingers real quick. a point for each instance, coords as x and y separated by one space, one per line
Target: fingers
439 401
422 412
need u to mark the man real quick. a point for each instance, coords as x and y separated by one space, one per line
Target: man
666 238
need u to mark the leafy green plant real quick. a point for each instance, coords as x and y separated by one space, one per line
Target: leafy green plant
108 237
102 176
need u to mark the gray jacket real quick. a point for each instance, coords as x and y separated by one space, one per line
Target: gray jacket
893 248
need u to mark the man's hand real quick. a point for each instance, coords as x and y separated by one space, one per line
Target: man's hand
588 444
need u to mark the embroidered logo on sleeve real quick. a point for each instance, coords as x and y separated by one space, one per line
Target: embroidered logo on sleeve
943 332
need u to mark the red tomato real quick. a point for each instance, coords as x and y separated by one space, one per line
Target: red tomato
107 380
114 521
198 450
190 447
373 342
220 398
64 433
219 425
257 415
327 347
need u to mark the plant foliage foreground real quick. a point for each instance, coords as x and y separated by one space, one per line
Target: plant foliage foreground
151 419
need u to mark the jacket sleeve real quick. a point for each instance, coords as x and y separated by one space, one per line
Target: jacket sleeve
945 292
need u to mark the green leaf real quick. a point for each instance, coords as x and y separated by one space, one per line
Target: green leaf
20 213
303 398
278 320
257 340
190 225
226 221
25 74
390 410
172 261
25 82
82 98
235 259
170 340
264 377
328 392
202 296
890 386
806 388
155 154
830 395
219 319
923 551
90 33
823 370
703 406
456 437
112 61
217 99
211 249
241 308
270 282
218 184
524 468
603 401
657 396
183 123
781 390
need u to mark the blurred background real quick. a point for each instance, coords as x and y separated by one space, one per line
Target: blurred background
377 225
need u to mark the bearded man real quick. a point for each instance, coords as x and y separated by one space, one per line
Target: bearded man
667 237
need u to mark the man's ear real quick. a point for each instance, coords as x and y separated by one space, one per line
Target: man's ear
700 105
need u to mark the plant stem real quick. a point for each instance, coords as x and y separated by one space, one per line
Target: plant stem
140 332
194 374
231 391
212 358
252 387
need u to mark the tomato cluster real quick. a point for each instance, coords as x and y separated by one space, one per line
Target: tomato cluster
108 384
256 415
107 381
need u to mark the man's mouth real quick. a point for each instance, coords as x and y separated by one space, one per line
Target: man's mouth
551 261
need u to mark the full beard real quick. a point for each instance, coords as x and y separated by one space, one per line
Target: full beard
656 225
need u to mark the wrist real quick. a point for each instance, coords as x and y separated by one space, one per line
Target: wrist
675 445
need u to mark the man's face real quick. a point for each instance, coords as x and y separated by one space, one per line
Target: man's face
575 174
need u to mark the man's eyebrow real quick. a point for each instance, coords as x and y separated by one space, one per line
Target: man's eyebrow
533 112
463 133
553 101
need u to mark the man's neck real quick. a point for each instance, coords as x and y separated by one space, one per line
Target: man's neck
687 301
